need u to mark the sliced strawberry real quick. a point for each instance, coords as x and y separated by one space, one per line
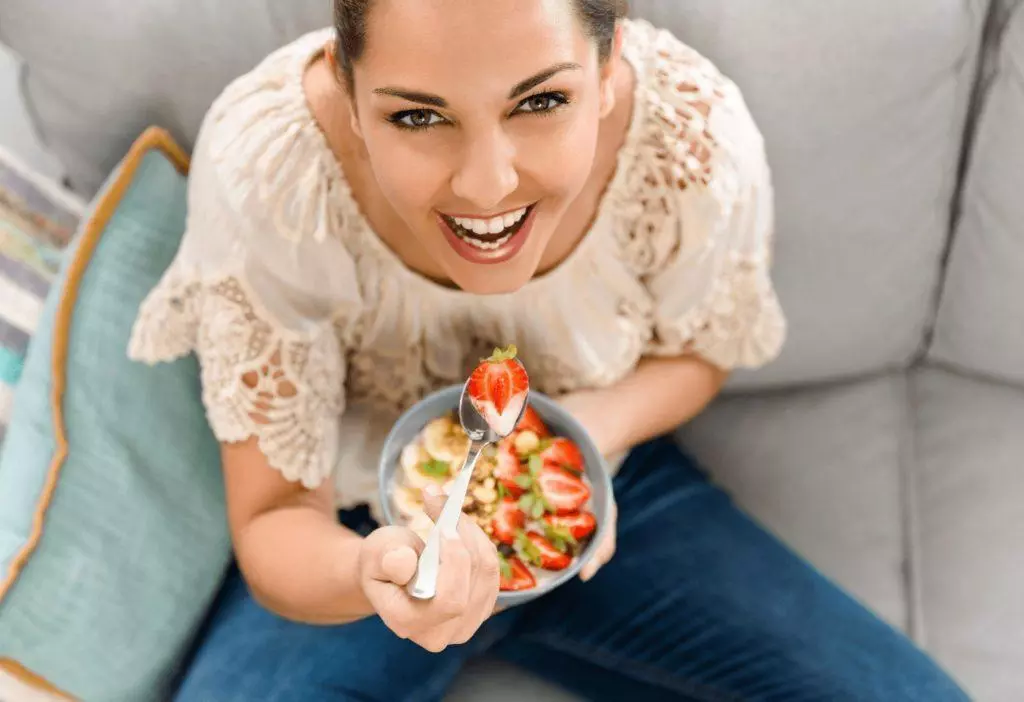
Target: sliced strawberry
515 575
564 492
531 421
508 468
579 524
564 453
498 389
544 554
508 519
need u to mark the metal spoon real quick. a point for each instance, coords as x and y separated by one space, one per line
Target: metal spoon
424 584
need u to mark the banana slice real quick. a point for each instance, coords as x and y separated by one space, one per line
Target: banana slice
413 456
445 440
408 501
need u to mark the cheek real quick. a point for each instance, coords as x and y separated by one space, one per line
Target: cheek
562 163
408 177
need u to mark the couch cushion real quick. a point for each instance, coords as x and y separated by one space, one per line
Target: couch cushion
113 537
980 326
821 468
969 505
862 109
97 74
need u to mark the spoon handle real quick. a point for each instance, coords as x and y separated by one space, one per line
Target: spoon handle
423 585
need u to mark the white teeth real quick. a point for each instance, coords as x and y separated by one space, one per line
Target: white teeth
494 225
487 245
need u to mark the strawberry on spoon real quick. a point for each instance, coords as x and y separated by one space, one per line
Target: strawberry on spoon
498 388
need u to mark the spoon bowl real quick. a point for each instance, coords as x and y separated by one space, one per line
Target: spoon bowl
473 423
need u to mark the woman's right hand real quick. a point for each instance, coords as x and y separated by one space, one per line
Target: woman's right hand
467 585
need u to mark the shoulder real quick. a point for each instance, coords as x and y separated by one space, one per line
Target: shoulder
260 151
694 112
697 152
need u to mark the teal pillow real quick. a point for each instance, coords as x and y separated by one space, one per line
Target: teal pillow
113 536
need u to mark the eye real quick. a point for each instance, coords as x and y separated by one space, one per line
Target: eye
416 119
543 102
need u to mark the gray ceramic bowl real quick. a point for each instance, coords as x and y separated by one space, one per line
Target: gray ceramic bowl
558 420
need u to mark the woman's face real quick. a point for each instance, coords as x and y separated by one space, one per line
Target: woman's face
480 120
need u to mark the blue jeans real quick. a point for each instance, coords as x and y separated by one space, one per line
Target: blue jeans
699 604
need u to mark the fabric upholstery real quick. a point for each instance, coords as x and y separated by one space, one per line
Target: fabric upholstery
980 326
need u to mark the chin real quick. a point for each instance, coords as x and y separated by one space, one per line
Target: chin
491 280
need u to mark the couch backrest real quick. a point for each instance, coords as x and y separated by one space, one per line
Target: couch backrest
863 106
980 325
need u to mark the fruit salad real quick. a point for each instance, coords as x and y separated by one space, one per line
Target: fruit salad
528 493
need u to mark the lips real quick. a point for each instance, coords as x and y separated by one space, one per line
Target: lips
488 240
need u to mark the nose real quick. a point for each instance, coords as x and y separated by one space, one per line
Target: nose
486 173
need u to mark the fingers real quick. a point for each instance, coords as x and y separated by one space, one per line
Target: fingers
433 501
454 580
485 588
605 548
467 586
604 552
444 617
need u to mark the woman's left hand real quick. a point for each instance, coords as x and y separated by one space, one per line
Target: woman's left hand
605 547
591 410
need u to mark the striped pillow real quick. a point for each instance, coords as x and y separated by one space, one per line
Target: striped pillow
22 291
37 218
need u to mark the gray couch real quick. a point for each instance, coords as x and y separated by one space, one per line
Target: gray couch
887 444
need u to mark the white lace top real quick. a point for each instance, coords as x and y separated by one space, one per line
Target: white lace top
313 336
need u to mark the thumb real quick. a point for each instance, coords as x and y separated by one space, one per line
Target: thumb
433 501
399 565
390 555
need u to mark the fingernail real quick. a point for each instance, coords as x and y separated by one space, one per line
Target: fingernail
432 490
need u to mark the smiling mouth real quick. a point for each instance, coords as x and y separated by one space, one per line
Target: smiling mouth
491 233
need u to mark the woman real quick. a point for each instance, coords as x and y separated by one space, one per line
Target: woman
374 206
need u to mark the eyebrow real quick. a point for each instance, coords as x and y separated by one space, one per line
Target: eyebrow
519 89
534 81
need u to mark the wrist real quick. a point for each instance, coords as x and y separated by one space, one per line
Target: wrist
598 412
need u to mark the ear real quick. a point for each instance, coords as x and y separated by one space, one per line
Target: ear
332 62
331 56
609 72
353 118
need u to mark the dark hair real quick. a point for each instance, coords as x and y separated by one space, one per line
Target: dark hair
350 17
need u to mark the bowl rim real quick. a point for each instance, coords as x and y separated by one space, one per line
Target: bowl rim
595 473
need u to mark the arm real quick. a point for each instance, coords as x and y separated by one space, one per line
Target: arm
300 563
296 558
654 399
